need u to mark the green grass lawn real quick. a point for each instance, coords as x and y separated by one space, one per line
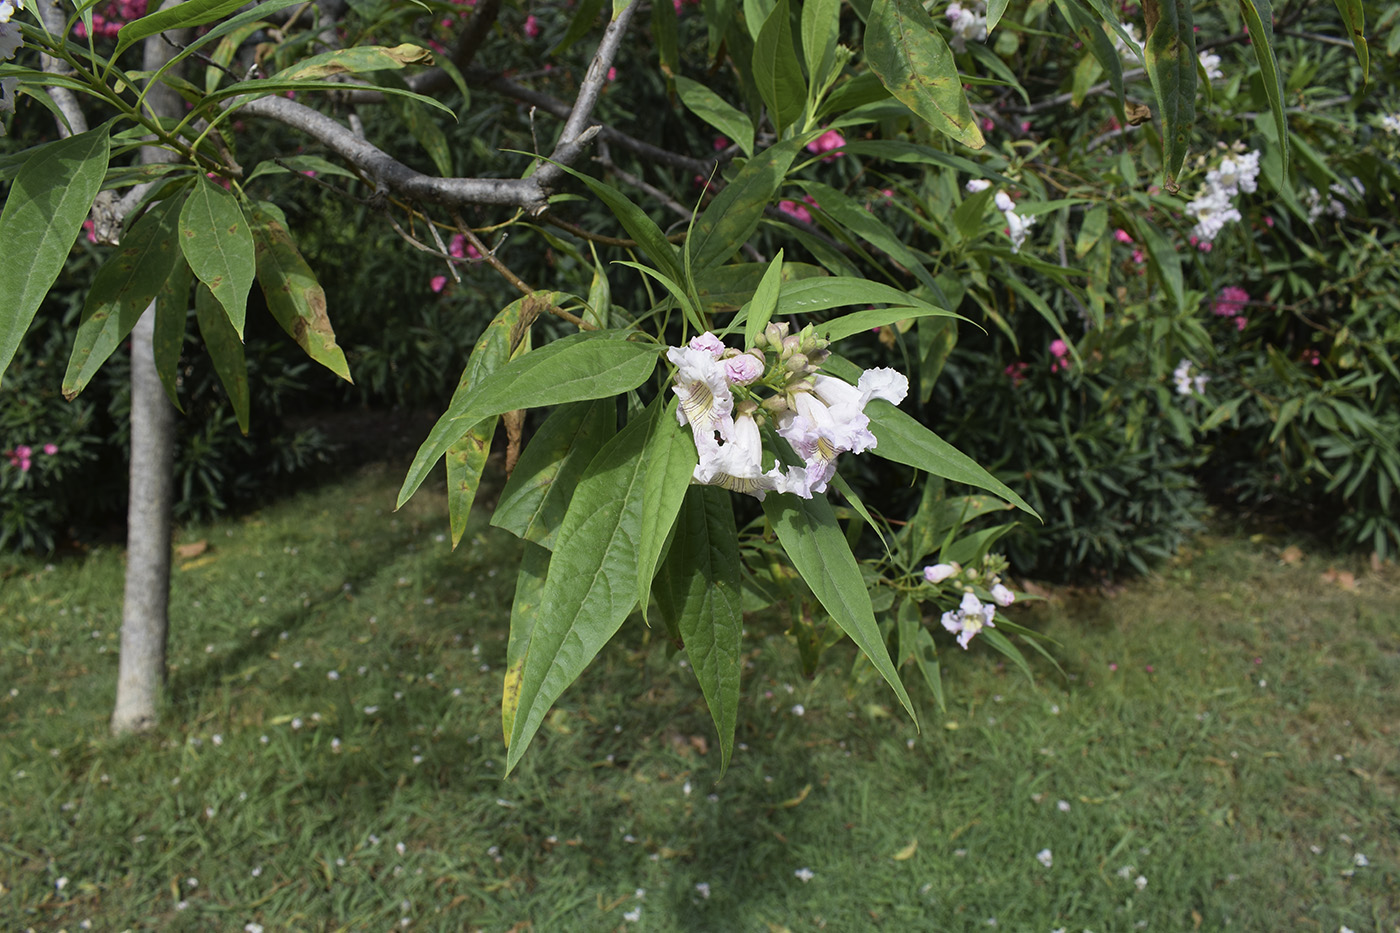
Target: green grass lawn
1221 754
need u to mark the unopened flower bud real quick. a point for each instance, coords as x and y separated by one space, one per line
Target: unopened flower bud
797 363
937 573
791 344
774 334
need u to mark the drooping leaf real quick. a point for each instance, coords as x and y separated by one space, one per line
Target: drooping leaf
592 583
1170 50
1354 15
506 337
172 311
1259 17
814 542
697 591
536 496
904 47
776 70
671 458
43 213
356 60
733 215
122 290
1089 28
218 244
225 349
293 294
529 586
716 111
859 220
1166 260
861 321
594 364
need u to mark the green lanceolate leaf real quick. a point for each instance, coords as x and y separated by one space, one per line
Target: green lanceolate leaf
585 16
905 49
733 215
43 213
218 244
697 591
716 111
1354 15
671 458
1089 28
122 290
172 311
915 642
806 296
357 60
859 322
529 587
1166 260
536 496
776 69
595 364
1171 64
1259 17
592 583
765 300
225 349
858 219
815 544
506 337
821 24
187 14
293 295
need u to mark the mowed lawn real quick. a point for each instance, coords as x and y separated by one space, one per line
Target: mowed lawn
1221 752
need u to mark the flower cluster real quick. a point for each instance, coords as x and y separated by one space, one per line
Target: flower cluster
1186 382
828 143
1210 63
22 456
1391 123
1230 303
1017 226
821 417
1060 351
1215 207
969 22
972 615
118 14
1333 206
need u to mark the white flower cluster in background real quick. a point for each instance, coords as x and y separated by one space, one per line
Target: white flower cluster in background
969 22
1215 207
1017 226
1130 53
820 416
1210 63
1188 379
972 615
10 41
1333 203
1391 123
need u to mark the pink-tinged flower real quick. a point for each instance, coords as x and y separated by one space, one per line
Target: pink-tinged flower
612 74
1059 349
987 124
709 343
50 449
1205 247
937 573
793 209
218 179
719 144
743 369
90 230
1312 357
1123 236
829 420
1025 126
1268 221
1241 322
1002 596
457 246
532 26
1231 301
828 142
1017 372
437 283
971 617
1138 257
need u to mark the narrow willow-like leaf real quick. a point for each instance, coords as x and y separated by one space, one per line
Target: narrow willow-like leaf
218 244
1259 17
595 364
821 24
716 111
904 47
190 13
671 458
776 70
424 128
529 586
862 321
765 300
293 294
1089 28
995 10
697 592
592 583
356 60
858 219
225 349
806 296
507 336
1354 15
813 540
122 290
585 16
172 312
39 224
536 496
1171 64
733 215
1166 260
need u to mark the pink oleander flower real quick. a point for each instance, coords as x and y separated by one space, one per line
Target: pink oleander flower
828 142
1123 236
612 74
1017 372
1241 322
793 209
90 231
719 144
1138 257
970 618
1061 354
1231 301
532 26
50 449
437 283
987 124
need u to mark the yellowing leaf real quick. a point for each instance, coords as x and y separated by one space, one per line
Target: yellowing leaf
906 853
801 796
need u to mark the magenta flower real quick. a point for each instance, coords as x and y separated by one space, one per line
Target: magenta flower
828 142
532 26
793 209
50 449
612 74
1122 236
437 283
1231 301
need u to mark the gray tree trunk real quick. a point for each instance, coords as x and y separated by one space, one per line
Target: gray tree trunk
145 609
145 615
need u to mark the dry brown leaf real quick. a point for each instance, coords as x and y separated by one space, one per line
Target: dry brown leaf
193 549
1291 554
